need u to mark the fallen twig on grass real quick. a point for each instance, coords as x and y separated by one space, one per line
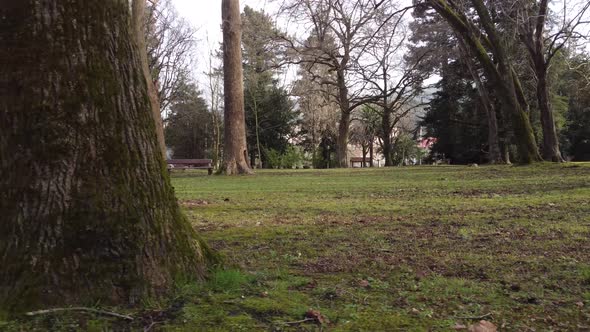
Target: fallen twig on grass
147 329
474 317
96 311
300 321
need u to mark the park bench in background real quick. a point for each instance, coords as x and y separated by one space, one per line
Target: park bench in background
190 164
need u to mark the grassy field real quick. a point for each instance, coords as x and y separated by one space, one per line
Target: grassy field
408 249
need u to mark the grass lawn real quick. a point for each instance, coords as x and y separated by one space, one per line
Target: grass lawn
408 249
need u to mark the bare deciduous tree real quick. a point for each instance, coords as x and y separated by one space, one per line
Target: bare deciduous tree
171 42
395 81
214 86
318 106
340 32
543 43
139 13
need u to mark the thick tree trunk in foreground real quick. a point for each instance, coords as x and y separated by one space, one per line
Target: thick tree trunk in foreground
235 153
88 212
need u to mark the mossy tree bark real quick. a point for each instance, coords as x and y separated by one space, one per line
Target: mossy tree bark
498 71
235 152
88 211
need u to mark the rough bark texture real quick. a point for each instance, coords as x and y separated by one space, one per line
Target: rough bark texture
235 153
88 211
138 13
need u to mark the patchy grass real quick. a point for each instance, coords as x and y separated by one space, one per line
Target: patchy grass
410 249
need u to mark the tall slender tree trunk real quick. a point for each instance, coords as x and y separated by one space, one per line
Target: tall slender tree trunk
216 137
534 40
342 139
365 149
371 152
138 14
88 211
386 121
258 148
386 136
344 124
235 153
494 154
550 141
528 151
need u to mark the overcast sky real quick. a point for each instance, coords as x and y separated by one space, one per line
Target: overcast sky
205 15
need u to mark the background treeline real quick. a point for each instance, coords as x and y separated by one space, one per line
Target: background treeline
509 81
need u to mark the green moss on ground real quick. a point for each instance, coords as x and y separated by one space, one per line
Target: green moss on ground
410 249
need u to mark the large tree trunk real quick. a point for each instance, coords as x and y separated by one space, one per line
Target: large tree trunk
88 211
235 153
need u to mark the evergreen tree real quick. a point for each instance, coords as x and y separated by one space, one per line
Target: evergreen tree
189 130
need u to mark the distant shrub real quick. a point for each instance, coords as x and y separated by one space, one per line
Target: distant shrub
291 158
273 158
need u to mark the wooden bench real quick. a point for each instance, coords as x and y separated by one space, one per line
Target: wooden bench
190 164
